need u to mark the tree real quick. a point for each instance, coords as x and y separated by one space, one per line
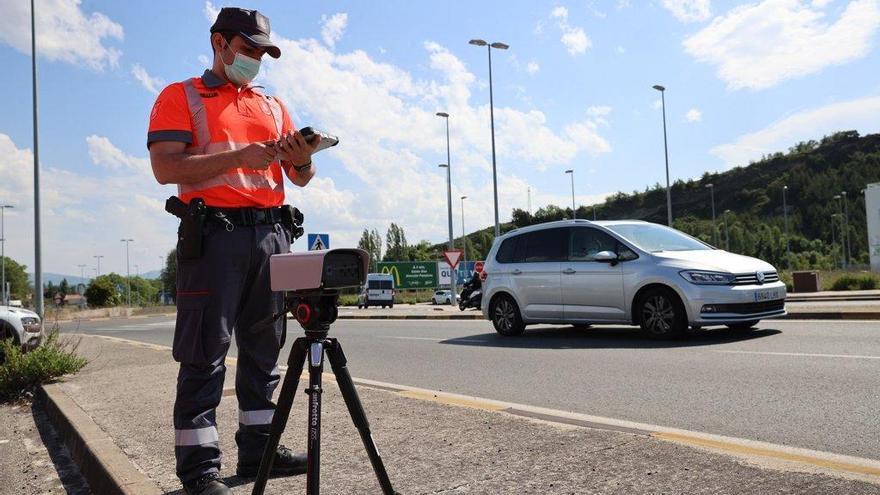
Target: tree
102 291
64 287
396 248
372 244
17 278
169 275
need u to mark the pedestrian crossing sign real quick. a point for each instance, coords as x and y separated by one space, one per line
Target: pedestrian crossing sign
318 242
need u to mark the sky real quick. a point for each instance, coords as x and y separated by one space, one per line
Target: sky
574 91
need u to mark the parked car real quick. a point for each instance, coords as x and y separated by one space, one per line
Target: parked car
623 272
24 327
378 291
443 296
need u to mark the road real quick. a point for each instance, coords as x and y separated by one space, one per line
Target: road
802 384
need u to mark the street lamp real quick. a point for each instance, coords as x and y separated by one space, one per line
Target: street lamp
38 251
127 269
3 249
161 270
787 240
98 268
489 47
711 188
451 241
573 210
662 91
463 238
834 238
848 250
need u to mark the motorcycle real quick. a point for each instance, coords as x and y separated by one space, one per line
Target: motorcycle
471 294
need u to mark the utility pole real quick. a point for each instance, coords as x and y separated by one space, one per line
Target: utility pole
787 240
98 268
711 188
5 301
848 250
662 91
573 210
38 253
127 269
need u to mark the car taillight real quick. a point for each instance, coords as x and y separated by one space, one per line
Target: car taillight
484 275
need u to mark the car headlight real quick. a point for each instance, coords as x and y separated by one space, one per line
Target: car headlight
707 278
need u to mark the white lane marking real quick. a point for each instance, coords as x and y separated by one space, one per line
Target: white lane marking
3 441
432 339
800 354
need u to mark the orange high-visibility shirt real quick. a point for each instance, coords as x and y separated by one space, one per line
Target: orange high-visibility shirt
211 115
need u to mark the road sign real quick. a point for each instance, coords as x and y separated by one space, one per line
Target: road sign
411 274
452 256
318 242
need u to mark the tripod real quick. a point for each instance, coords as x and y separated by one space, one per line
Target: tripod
315 314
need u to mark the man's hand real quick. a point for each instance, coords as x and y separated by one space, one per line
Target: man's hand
257 156
294 148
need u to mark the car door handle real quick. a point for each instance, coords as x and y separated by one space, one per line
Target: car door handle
569 271
516 271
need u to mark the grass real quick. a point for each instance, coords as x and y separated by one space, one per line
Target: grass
401 297
840 280
21 372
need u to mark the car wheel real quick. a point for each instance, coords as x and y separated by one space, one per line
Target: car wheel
506 317
661 314
743 327
391 306
462 305
433 301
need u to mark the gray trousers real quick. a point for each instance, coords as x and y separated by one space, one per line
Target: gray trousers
226 292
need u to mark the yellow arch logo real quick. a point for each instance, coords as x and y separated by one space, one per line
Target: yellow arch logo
392 270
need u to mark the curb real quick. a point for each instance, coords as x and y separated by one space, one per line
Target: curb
412 317
829 315
103 464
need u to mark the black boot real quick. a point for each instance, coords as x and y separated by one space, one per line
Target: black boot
209 484
287 463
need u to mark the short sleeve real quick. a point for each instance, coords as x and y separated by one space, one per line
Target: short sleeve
170 119
286 123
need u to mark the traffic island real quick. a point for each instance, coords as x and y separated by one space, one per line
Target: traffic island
430 442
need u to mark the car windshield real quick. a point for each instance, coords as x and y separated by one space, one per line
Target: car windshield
657 238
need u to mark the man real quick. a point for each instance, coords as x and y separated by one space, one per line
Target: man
222 140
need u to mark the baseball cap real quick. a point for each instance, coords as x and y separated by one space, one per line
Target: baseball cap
249 24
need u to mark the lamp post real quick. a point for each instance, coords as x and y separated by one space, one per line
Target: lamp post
98 268
833 239
38 252
785 218
839 199
726 231
711 188
3 249
594 212
573 210
463 238
127 269
848 250
662 91
161 271
451 241
489 47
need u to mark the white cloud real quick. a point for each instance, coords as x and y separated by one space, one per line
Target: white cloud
532 67
860 114
211 11
657 104
334 27
204 60
574 38
84 215
150 83
64 32
689 10
392 141
104 153
693 115
621 50
759 45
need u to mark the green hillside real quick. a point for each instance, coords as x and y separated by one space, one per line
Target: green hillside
814 171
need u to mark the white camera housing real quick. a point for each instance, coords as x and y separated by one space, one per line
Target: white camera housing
315 271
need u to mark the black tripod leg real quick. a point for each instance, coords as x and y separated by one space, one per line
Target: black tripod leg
282 411
339 365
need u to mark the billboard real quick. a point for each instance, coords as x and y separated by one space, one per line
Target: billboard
411 274
872 212
464 270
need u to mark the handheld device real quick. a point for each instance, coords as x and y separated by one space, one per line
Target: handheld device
327 140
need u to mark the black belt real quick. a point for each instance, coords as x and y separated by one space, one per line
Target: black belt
247 217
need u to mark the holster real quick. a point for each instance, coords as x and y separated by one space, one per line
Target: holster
192 221
292 220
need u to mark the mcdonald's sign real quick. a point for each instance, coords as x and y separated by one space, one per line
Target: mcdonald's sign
411 274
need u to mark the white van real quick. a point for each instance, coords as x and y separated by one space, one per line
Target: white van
379 291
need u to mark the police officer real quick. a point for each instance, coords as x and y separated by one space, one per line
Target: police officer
223 140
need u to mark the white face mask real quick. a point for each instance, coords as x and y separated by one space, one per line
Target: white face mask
242 70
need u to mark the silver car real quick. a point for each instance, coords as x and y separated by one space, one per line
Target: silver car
623 272
22 326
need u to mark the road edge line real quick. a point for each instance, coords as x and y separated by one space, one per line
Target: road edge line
103 464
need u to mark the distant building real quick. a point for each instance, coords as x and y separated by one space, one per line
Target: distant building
75 300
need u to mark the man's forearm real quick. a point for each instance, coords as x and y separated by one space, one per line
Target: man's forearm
183 168
298 178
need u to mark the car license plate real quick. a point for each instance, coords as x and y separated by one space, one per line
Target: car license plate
767 295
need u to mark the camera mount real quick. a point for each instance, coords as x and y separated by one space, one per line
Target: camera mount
315 309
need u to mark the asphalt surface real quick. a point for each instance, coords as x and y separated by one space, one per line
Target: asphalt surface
795 383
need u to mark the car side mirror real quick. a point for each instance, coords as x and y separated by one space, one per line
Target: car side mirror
606 257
